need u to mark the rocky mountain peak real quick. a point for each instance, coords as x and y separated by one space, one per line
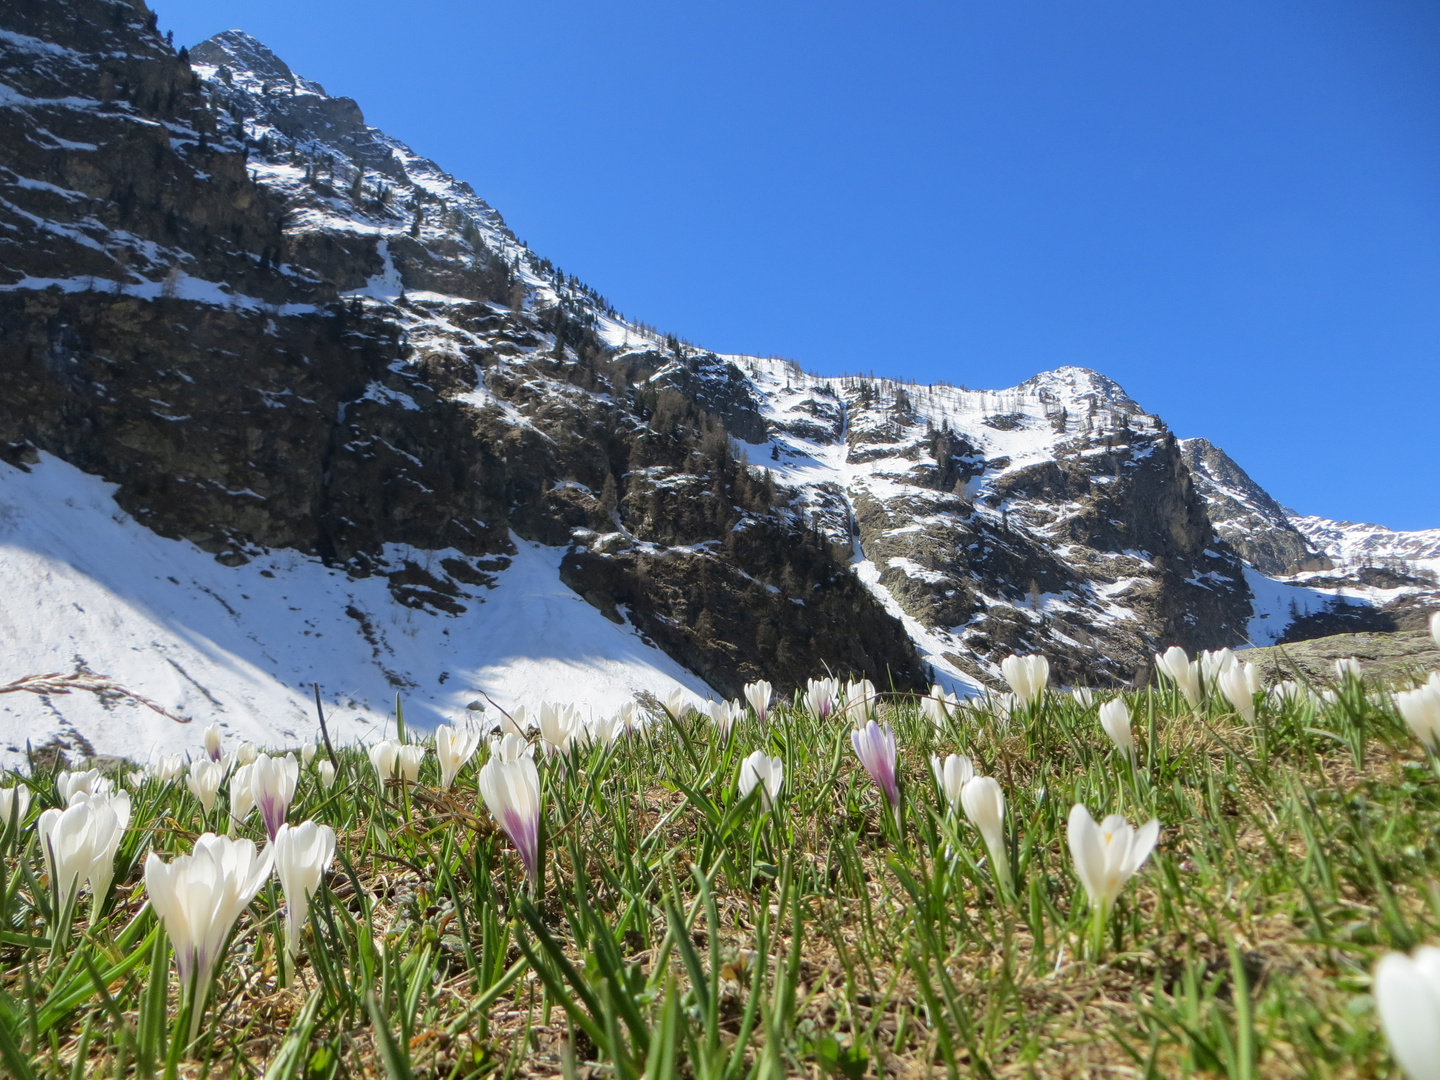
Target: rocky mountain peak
285 339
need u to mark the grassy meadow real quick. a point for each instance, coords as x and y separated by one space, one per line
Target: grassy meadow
678 928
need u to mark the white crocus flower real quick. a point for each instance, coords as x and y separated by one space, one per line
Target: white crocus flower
559 725
14 805
876 748
272 783
212 742
453 748
307 754
758 694
952 774
1347 667
984 804
166 768
70 842
1213 665
204 781
822 697
1002 705
936 705
112 818
510 748
1115 719
1420 709
1435 628
765 771
91 782
677 702
1027 676
861 703
1407 997
383 757
1239 683
1083 696
724 714
1176 666
606 729
198 897
246 753
326 769
408 759
242 797
1106 856
511 790
302 855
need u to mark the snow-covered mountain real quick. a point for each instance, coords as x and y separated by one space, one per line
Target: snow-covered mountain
286 403
1355 544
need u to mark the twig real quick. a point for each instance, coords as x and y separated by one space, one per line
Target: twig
324 731
57 683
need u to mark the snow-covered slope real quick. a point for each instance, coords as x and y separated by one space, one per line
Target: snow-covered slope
1352 544
87 588
353 431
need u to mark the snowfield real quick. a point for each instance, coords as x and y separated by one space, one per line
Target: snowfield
87 588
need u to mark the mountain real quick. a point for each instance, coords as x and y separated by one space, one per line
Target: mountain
284 403
1245 515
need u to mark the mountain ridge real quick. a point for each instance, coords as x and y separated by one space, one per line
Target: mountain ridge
300 336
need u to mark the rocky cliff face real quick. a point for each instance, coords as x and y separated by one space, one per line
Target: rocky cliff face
1245 515
275 327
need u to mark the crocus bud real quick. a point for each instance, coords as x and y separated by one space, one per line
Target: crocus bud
952 774
1435 628
408 759
166 768
272 780
242 797
307 754
204 781
453 748
511 790
1107 855
326 768
246 753
875 747
1239 683
383 756
302 855
984 804
1420 709
1407 997
1083 696
1176 666
677 703
212 742
1115 719
14 805
765 771
198 897
1027 676
1347 667
758 695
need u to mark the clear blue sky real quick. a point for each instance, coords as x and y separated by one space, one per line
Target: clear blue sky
1232 208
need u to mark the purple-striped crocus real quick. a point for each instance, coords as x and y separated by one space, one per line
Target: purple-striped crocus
511 790
875 747
272 784
198 897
